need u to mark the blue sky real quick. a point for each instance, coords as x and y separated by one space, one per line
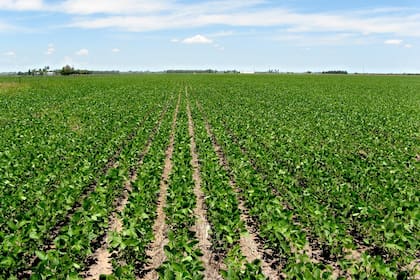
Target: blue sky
248 35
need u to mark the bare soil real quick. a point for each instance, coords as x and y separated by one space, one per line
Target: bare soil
414 266
101 259
251 244
155 251
202 226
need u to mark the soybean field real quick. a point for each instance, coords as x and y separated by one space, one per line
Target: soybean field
208 176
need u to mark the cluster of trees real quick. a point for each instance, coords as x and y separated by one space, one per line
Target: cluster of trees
66 70
69 70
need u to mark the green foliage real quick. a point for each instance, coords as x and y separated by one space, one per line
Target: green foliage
60 151
68 70
324 162
333 164
182 253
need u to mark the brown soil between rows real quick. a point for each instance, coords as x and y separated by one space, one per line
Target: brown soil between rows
102 257
316 252
250 244
313 249
155 251
202 226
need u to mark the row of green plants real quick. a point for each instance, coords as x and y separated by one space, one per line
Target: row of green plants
129 246
222 209
78 239
72 135
275 223
182 251
339 163
323 163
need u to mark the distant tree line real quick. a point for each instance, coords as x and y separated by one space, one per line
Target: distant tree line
35 72
335 72
65 71
190 71
68 70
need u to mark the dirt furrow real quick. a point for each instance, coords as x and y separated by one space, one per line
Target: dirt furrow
250 244
202 226
312 249
155 250
102 256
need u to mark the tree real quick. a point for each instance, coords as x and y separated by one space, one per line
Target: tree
45 69
67 70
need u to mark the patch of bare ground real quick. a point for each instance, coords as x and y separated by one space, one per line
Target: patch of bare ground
251 243
202 226
10 87
414 267
101 259
155 251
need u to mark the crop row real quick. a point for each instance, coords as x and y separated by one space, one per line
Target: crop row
79 238
130 244
222 209
275 223
182 253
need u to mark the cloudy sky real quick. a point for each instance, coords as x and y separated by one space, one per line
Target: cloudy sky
289 35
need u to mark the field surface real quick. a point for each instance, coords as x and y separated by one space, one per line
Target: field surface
210 177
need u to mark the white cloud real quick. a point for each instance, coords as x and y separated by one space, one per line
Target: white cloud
152 15
324 39
50 49
197 39
82 52
408 46
393 42
83 7
133 7
115 50
174 40
9 53
22 5
294 21
222 34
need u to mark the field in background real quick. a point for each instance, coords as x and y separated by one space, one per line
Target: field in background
210 176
